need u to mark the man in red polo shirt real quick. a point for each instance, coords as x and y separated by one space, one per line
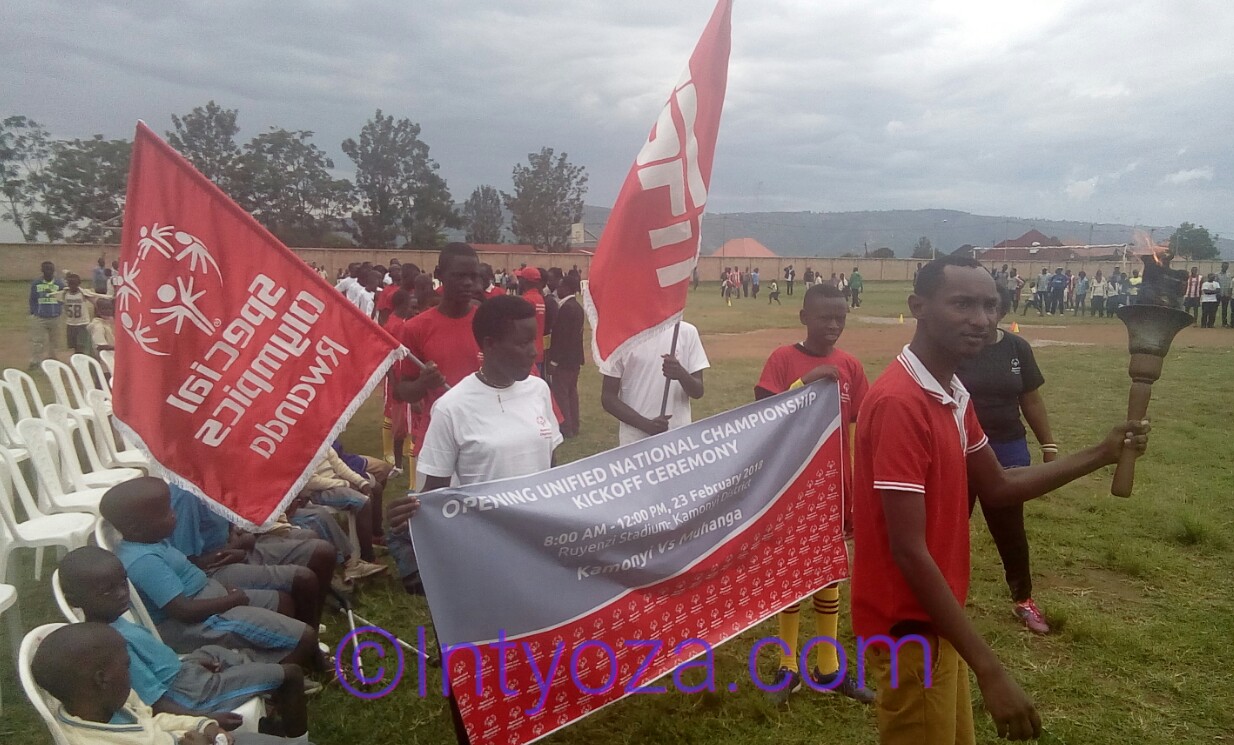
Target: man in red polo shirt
442 339
918 446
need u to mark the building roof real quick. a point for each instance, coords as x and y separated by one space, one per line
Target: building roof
744 248
1032 238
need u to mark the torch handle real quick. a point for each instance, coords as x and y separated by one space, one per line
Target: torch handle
1137 409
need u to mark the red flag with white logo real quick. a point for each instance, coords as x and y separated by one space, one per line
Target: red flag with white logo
645 257
236 364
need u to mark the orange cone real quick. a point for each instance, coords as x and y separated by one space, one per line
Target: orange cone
1015 327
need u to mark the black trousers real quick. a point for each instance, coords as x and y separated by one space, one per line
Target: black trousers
1208 315
1225 308
1006 525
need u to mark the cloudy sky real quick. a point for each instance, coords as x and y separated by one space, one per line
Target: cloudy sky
1102 110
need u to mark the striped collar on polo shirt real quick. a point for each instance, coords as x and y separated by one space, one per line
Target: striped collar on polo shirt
958 395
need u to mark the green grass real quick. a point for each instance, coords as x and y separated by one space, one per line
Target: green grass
1137 589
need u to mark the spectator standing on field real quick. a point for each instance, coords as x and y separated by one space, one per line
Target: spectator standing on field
99 277
1223 297
790 275
1082 286
745 283
1191 297
856 285
45 312
565 356
1209 300
754 283
1098 292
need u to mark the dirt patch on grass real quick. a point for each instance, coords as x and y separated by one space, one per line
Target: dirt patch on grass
1101 583
859 341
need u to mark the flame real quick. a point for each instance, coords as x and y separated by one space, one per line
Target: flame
1146 247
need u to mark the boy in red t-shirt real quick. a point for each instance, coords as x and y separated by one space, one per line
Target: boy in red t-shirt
441 338
918 446
531 284
824 311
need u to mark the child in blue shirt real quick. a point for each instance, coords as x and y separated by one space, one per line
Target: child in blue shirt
292 566
190 609
209 682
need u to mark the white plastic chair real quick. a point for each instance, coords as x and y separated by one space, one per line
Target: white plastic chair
8 425
98 475
109 451
90 374
43 702
252 710
29 401
66 530
49 466
8 599
66 386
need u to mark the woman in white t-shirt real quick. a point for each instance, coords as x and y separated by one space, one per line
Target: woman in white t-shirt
498 422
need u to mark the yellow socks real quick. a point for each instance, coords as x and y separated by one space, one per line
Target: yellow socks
790 625
827 623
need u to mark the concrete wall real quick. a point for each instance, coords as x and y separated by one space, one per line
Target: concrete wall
20 261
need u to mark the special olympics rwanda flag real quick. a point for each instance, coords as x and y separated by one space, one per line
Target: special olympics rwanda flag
649 247
236 364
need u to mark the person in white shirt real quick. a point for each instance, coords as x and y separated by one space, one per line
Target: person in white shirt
1210 294
497 422
633 389
364 294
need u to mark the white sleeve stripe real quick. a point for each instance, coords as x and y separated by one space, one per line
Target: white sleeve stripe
900 486
978 446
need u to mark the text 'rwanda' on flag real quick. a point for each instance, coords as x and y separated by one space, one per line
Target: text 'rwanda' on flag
649 247
236 364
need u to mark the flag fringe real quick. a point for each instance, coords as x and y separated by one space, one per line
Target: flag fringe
593 318
244 523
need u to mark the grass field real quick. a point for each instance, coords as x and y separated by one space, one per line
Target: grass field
1138 590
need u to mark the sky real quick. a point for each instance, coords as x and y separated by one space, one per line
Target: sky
1090 110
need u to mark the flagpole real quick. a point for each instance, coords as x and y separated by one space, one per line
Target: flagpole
668 381
416 360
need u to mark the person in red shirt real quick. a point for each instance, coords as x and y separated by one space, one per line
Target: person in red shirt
394 423
824 311
441 338
918 446
530 284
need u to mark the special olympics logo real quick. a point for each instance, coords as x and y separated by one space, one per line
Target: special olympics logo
178 294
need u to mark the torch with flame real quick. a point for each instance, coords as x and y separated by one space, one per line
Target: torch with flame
1152 323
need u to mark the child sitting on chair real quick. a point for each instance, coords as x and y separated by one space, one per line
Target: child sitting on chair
85 666
190 609
209 682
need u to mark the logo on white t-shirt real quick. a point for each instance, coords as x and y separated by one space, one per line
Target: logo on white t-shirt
546 432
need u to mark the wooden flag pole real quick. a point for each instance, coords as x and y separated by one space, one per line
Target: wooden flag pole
672 350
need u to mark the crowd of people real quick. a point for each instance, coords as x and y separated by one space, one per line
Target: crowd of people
736 283
490 393
1053 294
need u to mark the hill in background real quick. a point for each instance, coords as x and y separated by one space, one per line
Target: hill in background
836 233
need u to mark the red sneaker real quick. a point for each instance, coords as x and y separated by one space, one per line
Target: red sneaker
1030 615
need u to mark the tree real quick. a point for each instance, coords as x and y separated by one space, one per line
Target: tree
207 138
922 249
882 253
547 200
83 189
284 180
1194 242
400 193
25 148
482 215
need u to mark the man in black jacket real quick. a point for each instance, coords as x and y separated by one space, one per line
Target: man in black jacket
565 356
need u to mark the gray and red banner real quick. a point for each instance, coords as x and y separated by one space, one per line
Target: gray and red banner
552 589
